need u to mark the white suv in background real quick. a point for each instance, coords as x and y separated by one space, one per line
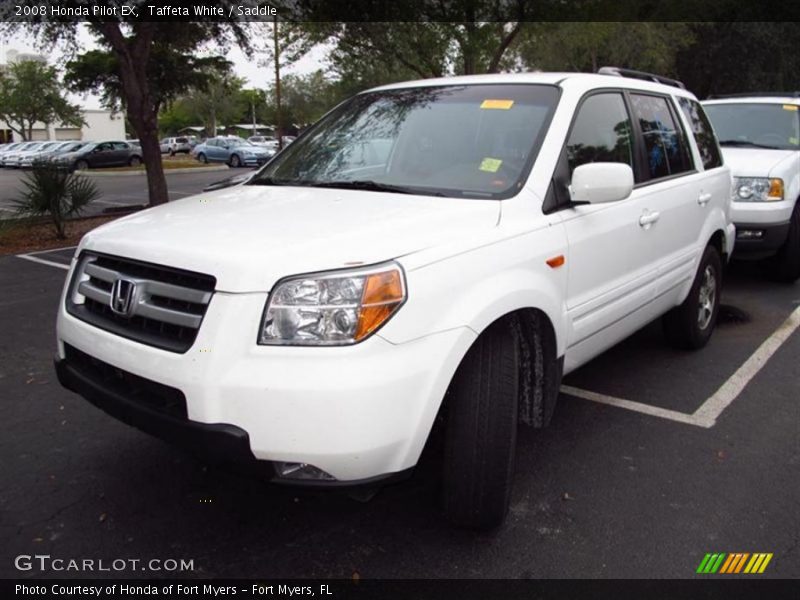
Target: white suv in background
760 138
482 235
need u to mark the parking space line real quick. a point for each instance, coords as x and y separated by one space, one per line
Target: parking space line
712 408
42 261
655 411
707 413
48 251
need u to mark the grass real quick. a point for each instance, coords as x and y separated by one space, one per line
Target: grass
168 164
20 236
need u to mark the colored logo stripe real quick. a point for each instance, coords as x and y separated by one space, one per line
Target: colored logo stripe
734 563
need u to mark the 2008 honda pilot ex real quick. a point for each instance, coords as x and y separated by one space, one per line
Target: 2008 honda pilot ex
482 235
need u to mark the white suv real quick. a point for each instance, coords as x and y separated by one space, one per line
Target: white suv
760 138
482 235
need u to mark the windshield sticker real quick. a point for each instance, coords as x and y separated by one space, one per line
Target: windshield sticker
490 165
497 104
785 107
794 141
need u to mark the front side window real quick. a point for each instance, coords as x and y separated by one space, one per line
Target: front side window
664 142
703 133
770 126
601 132
457 141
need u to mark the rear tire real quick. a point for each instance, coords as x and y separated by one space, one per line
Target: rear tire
481 433
785 265
689 326
202 158
135 161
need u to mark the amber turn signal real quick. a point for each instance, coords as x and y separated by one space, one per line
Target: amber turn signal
383 295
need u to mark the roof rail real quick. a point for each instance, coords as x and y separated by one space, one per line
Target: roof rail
754 94
620 72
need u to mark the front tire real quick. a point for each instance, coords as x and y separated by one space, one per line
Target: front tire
480 444
689 326
785 265
81 165
236 162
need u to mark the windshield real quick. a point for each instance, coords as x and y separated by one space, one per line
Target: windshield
772 126
458 141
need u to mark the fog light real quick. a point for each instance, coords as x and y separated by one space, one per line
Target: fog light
288 470
749 234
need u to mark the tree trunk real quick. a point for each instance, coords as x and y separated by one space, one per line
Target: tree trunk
134 54
278 116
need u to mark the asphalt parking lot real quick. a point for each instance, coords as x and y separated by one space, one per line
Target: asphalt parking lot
118 192
654 458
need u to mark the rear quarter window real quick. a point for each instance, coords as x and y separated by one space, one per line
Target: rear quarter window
703 133
665 144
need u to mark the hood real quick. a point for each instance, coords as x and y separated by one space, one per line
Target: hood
248 237
756 162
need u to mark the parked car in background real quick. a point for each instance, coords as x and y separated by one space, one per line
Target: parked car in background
63 148
25 160
234 151
520 225
760 139
176 145
9 158
101 154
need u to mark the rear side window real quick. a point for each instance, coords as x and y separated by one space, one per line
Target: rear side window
703 133
664 142
601 132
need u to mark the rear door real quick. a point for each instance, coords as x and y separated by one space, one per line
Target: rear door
674 190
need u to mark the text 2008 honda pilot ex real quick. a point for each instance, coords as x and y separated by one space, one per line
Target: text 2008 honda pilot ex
482 235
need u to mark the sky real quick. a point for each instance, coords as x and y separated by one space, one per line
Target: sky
248 68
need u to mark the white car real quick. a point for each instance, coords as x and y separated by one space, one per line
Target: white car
760 139
11 158
26 159
314 318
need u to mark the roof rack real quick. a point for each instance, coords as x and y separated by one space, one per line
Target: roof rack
620 72
755 94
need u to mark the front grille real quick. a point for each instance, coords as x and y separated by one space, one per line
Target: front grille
155 305
156 396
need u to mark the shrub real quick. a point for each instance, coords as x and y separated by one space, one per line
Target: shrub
56 192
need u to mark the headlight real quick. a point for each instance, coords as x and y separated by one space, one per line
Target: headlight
332 309
757 189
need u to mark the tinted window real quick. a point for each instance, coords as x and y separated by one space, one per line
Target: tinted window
703 133
120 146
665 145
601 133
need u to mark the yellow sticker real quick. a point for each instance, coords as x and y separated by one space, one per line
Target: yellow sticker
790 107
490 165
497 104
794 141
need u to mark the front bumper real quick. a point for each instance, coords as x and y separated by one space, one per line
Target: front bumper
356 412
759 240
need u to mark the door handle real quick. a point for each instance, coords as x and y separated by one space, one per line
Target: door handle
703 199
648 219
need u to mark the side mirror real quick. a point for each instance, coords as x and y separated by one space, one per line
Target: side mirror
601 182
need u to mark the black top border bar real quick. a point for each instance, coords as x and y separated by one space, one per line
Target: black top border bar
451 11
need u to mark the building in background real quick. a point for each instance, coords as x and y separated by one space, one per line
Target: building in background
99 124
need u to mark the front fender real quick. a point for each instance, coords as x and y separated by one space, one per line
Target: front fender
477 287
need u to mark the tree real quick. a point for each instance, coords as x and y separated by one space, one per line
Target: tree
219 102
714 63
31 92
135 46
587 46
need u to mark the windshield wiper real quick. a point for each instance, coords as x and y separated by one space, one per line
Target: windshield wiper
747 144
268 181
372 186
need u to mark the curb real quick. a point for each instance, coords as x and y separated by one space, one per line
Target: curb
167 172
